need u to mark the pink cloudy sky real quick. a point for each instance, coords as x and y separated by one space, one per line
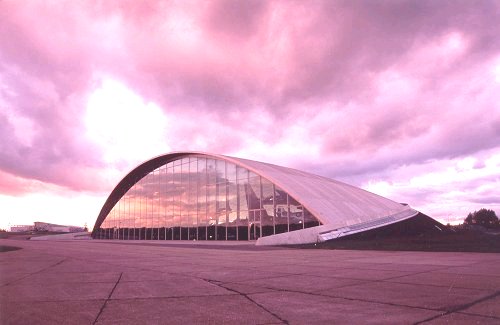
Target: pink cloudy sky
400 98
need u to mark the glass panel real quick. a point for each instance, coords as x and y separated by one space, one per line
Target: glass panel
118 221
253 192
138 212
231 172
169 204
211 206
184 209
143 208
177 195
310 220
202 199
232 202
162 219
110 224
211 232
221 211
242 188
184 232
193 197
125 216
267 213
149 205
192 233
281 214
232 233
155 205
296 214
242 173
211 171
211 198
221 228
221 170
254 225
202 205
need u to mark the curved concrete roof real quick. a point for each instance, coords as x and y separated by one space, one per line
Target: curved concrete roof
334 203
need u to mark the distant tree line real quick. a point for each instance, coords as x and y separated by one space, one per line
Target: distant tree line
483 217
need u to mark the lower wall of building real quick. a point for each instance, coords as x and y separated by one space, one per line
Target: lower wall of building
304 236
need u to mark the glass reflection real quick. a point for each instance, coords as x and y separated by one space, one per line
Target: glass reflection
195 198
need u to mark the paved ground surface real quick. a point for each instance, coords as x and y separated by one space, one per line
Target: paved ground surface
97 282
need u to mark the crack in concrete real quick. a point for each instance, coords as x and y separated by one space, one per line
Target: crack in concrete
107 299
364 282
461 307
421 272
433 285
342 278
390 280
221 285
28 275
346 298
255 279
174 297
120 299
480 315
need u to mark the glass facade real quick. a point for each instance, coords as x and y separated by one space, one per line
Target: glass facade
198 198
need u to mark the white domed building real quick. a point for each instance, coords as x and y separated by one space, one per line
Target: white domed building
202 196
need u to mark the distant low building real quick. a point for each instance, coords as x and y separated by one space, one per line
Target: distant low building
22 228
45 226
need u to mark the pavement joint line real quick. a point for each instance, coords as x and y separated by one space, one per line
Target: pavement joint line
69 282
339 277
244 282
305 272
361 282
349 278
418 272
28 275
263 278
473 274
364 282
430 271
57 300
459 308
429 284
351 299
221 285
474 314
388 281
120 299
338 297
107 299
411 274
175 297
310 275
432 285
112 264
